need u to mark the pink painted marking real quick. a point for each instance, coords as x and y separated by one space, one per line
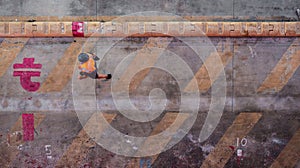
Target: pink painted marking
28 63
25 76
78 29
231 147
25 80
28 127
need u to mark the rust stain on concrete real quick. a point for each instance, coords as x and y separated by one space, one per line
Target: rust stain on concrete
290 155
284 69
83 142
202 77
243 124
63 71
165 123
9 50
15 138
145 57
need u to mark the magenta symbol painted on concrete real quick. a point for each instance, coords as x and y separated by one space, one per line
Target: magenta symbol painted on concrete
25 75
78 29
28 127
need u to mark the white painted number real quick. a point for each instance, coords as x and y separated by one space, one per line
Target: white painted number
48 149
243 142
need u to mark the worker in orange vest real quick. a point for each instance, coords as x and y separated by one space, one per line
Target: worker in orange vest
88 67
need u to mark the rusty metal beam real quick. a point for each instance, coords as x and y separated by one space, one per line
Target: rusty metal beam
152 29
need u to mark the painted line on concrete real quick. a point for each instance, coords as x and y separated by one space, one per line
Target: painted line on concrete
80 146
290 155
145 57
241 126
62 73
15 136
284 69
202 77
165 123
9 50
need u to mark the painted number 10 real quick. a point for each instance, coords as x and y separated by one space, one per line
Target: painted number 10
243 142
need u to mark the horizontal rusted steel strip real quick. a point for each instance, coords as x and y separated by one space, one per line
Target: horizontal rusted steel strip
152 28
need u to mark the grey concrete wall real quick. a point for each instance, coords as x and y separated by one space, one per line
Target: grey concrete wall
252 62
243 9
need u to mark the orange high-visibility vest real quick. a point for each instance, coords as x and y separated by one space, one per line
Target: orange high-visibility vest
88 66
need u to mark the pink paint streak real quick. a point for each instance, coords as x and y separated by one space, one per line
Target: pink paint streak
28 127
231 147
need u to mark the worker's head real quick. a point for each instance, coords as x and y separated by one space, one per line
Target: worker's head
83 57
